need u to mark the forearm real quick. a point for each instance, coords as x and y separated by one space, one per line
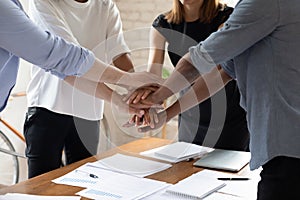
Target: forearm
204 87
102 72
183 76
124 63
98 90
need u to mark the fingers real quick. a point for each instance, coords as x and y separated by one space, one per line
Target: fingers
144 129
146 94
136 111
138 95
142 105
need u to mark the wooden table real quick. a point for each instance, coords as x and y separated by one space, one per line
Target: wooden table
42 185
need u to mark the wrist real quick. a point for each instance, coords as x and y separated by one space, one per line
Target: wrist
156 98
172 111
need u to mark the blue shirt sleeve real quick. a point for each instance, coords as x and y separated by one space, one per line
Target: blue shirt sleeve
20 36
229 68
250 22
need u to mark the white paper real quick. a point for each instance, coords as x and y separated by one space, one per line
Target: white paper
131 165
109 185
196 186
128 187
246 189
177 152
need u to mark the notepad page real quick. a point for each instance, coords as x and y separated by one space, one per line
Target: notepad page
131 165
196 187
180 150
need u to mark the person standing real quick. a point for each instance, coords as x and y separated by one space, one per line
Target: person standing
60 117
219 121
258 46
21 38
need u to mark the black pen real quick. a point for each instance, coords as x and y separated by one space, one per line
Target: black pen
87 173
234 179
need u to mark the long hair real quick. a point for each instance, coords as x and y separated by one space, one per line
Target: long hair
207 11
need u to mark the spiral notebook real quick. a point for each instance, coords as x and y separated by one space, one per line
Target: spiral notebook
196 186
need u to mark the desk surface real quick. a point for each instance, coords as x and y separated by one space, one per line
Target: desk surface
42 185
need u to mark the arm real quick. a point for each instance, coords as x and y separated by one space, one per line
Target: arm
155 63
256 19
101 91
204 87
156 53
183 76
20 36
124 63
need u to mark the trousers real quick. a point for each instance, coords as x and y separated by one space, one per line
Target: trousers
280 179
48 134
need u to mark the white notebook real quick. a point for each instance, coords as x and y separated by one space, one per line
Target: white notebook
177 152
196 186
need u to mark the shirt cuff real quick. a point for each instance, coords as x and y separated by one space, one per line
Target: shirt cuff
87 63
229 68
201 59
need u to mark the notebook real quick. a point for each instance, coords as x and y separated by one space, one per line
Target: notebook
177 152
131 165
196 186
227 160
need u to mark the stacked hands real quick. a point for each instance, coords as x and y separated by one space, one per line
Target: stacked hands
151 114
148 113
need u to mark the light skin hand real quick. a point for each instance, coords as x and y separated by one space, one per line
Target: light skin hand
150 118
155 124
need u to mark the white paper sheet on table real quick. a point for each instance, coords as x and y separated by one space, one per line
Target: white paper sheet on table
177 152
18 196
246 189
131 165
163 195
109 185
127 187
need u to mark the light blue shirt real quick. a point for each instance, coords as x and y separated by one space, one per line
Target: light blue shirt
262 39
21 38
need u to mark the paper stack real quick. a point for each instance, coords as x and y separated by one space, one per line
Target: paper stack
131 165
177 152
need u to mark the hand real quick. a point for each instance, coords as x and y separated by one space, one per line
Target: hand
149 102
139 94
123 107
140 79
159 122
149 118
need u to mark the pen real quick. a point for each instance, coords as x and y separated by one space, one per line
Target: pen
234 179
87 173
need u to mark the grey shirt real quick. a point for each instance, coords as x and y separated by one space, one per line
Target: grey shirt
259 46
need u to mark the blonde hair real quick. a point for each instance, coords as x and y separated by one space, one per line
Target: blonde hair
207 11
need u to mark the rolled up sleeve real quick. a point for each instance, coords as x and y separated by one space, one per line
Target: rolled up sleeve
250 22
